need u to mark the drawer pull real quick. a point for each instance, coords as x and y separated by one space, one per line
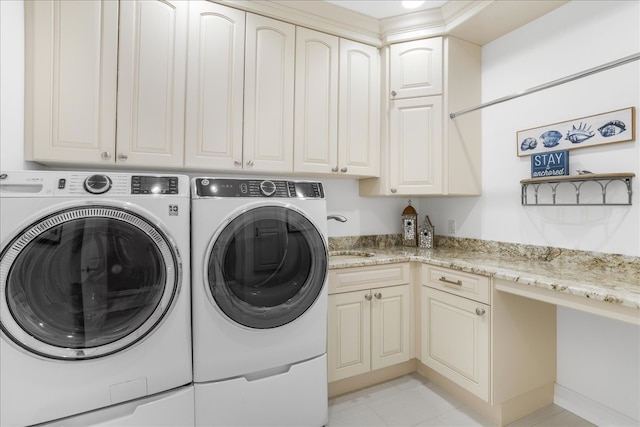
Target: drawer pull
378 295
445 280
480 311
367 297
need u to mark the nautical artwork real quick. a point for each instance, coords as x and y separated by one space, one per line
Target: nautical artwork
605 128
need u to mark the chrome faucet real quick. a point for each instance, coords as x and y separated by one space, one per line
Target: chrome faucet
337 218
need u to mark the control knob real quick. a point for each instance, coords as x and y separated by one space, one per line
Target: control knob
97 184
268 188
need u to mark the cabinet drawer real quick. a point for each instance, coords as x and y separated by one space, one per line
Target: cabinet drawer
456 282
361 278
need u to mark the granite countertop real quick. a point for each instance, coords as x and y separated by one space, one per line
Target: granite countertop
609 278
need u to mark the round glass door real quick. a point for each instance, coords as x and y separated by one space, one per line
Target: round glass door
267 267
86 282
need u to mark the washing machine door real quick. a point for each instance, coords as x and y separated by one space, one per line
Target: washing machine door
266 267
86 282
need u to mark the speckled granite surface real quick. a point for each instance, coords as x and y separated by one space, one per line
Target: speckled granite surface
605 277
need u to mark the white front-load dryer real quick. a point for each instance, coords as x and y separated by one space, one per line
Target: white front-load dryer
94 291
259 270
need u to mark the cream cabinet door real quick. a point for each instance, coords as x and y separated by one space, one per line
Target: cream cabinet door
316 102
349 334
359 110
151 82
71 81
215 87
268 95
416 146
416 68
390 326
455 339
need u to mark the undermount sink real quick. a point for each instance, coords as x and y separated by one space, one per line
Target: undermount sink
349 255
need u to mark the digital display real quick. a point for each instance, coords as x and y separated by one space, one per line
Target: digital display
308 189
141 184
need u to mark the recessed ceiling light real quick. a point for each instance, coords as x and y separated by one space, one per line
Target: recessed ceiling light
410 4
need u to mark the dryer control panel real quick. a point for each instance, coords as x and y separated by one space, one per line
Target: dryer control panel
225 187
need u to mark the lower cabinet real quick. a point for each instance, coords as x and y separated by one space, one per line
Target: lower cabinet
456 339
494 349
370 328
456 325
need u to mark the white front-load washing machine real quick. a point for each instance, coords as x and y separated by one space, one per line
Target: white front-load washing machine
94 291
259 302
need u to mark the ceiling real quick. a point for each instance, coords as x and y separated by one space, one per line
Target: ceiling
381 9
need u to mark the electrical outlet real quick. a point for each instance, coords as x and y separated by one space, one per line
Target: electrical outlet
452 226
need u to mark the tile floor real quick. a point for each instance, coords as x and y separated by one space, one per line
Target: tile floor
412 400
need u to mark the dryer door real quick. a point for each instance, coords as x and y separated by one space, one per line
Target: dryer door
266 267
86 282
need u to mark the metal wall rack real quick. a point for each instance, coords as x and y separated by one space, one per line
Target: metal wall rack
603 179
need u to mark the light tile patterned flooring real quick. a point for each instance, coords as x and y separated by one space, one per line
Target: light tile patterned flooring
412 400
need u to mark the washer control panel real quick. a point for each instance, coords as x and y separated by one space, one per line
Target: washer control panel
91 184
224 187
138 184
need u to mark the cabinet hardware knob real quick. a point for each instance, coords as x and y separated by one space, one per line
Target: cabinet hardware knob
237 163
393 190
105 155
343 170
378 295
480 311
394 93
367 297
445 280
122 157
250 163
334 169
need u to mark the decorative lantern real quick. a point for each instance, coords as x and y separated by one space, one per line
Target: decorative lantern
409 226
426 235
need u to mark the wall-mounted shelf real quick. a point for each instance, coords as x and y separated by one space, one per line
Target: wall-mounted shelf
577 181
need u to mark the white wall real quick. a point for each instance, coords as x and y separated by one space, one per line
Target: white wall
573 38
597 358
12 85
577 36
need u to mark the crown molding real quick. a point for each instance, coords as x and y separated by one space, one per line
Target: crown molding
476 21
316 15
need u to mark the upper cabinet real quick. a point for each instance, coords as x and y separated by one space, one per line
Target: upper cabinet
152 61
416 68
424 152
359 110
337 106
91 65
268 95
316 121
71 80
240 90
215 87
203 86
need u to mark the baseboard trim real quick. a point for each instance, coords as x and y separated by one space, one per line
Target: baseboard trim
357 382
590 410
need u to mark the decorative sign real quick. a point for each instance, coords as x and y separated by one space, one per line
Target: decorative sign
553 163
614 126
